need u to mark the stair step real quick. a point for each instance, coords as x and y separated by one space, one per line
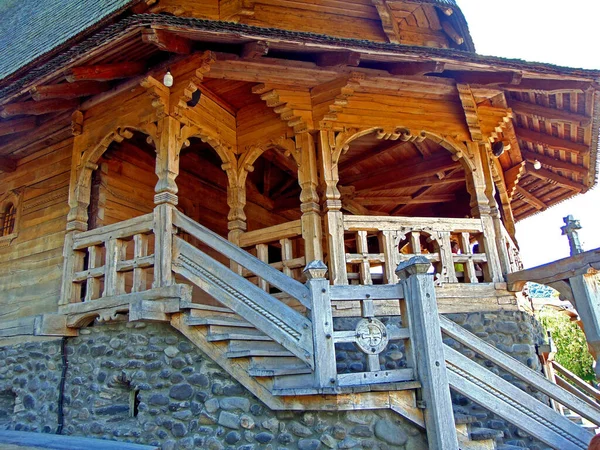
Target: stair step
336 390
270 367
576 419
484 434
218 320
222 333
510 447
202 307
244 349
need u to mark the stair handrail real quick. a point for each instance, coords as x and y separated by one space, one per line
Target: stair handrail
520 371
579 387
272 276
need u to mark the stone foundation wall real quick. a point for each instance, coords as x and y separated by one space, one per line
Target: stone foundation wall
146 383
516 334
29 379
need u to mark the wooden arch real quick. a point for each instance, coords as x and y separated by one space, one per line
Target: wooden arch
458 150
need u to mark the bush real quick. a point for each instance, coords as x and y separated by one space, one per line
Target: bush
572 350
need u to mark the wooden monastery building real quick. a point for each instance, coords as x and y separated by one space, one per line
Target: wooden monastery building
231 224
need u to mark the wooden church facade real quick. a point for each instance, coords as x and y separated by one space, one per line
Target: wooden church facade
206 165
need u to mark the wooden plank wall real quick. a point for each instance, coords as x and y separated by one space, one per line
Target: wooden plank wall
30 268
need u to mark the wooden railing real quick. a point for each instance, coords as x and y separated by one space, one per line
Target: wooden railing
110 261
381 243
511 403
575 385
277 320
283 239
515 263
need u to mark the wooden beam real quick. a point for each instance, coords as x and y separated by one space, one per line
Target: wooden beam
7 164
338 59
531 199
405 199
106 72
459 177
554 163
349 163
17 125
68 90
409 170
452 33
551 115
167 41
415 68
549 86
552 142
548 175
483 78
33 108
254 50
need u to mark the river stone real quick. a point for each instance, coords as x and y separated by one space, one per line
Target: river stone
390 432
229 420
181 391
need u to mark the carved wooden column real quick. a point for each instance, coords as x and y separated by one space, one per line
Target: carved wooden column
309 197
479 185
334 219
236 200
165 199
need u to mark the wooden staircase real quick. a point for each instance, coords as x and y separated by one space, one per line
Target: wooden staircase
287 359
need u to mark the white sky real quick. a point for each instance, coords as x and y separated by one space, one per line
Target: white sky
563 32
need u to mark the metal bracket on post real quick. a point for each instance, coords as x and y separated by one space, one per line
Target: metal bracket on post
322 325
426 339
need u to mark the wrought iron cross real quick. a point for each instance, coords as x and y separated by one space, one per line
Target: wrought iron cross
570 230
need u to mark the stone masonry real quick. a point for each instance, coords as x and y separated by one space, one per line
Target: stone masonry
146 383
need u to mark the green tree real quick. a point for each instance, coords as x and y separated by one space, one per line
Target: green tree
572 351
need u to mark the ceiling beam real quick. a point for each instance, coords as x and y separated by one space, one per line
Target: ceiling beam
483 78
531 199
106 72
403 171
549 86
551 142
32 108
405 199
415 68
459 177
17 125
68 90
551 115
554 163
167 41
255 50
338 59
7 164
349 163
548 175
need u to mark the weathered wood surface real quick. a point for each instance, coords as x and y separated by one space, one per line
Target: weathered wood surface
562 269
507 401
512 366
266 313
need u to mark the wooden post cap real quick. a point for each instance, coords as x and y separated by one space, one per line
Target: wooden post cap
415 265
315 269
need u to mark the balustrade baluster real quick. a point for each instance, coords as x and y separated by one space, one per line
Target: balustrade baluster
140 249
469 265
114 282
365 265
387 243
286 255
92 287
262 253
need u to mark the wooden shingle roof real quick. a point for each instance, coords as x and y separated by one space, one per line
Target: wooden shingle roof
30 28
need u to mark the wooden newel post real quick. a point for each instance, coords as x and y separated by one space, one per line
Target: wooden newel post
426 340
322 324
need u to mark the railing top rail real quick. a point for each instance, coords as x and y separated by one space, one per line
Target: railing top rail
581 384
271 234
520 371
120 230
243 258
384 223
366 292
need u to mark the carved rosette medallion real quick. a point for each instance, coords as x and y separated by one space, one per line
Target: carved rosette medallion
371 336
